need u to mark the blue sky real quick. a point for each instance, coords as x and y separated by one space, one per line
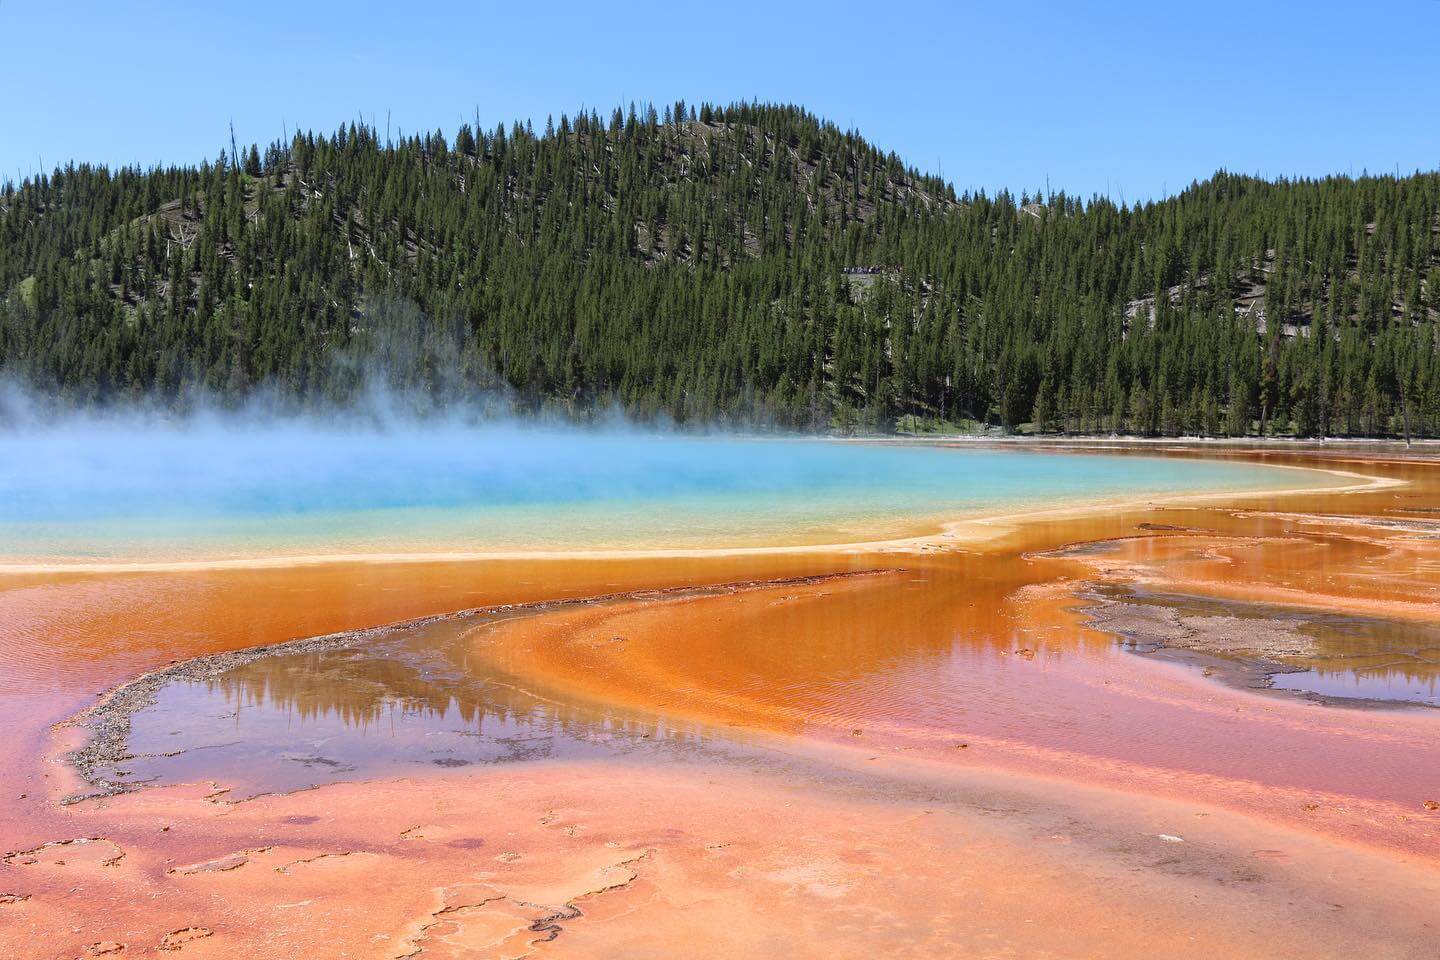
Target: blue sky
1134 99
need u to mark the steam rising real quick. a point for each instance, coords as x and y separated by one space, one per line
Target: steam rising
136 483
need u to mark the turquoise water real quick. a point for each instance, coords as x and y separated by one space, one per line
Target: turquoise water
135 491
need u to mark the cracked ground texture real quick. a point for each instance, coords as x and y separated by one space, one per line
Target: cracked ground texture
579 863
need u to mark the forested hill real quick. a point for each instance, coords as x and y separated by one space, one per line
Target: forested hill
744 264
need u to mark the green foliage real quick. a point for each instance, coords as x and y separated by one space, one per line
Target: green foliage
745 264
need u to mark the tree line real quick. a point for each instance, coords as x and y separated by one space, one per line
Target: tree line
747 264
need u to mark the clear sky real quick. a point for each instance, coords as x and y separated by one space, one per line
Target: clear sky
1136 99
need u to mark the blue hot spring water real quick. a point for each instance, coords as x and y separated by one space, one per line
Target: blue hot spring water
142 490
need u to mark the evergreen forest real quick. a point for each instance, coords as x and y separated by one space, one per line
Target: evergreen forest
746 265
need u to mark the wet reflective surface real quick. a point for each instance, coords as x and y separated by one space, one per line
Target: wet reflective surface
406 703
1388 684
1337 657
626 749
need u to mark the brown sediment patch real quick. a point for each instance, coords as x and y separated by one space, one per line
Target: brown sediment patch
1247 651
1153 624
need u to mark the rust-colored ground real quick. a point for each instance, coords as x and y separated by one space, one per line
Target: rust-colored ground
941 760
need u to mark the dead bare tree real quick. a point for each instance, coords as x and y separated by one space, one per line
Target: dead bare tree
183 233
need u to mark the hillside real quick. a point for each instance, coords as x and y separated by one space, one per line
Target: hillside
744 264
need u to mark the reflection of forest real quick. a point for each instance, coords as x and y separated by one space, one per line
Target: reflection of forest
428 675
886 642
846 638
1404 653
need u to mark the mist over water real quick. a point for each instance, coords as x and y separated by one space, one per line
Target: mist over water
135 486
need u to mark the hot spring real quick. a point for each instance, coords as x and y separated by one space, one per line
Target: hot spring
212 490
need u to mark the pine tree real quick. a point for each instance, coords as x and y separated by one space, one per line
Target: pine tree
713 267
